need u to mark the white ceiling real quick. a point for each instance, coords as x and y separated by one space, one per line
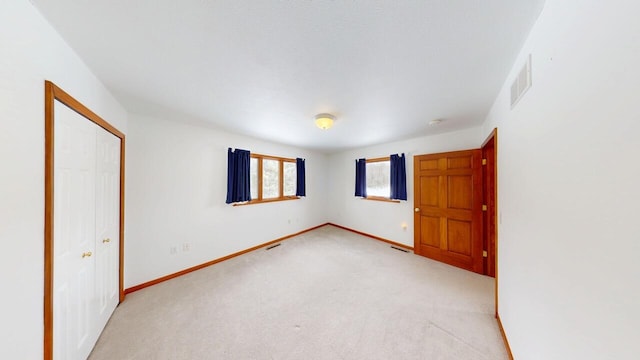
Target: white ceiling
385 68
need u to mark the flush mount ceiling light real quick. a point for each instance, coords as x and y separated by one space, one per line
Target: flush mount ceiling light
324 121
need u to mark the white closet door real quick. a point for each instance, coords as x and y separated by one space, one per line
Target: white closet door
74 233
107 224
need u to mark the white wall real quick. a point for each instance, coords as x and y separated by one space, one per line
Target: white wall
385 219
568 173
30 52
176 189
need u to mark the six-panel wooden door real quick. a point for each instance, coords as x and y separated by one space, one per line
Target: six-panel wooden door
448 208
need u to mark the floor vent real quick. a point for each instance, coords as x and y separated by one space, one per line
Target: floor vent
272 246
521 83
397 248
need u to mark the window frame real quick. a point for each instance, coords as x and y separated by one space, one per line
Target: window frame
281 196
380 198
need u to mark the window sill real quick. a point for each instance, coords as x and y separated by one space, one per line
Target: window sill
253 202
380 198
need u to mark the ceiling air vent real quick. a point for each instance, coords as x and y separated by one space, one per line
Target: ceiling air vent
522 83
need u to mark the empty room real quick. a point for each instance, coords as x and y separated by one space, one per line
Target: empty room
319 179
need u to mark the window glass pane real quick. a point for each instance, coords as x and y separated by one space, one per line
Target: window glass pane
253 180
270 179
378 179
289 178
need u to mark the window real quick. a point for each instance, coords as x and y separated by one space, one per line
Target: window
378 179
289 178
272 178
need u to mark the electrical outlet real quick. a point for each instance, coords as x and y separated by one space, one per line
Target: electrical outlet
173 250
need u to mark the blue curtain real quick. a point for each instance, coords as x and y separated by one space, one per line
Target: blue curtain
398 177
238 168
361 177
301 189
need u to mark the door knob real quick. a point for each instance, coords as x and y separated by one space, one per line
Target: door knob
417 210
87 254
106 240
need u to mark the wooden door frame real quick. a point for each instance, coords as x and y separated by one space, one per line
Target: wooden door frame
52 93
493 137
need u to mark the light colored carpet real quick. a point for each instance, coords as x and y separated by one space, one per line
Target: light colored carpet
326 294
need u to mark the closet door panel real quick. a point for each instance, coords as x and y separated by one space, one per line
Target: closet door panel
107 223
74 229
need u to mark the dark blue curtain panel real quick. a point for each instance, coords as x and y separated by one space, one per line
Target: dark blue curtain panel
398 177
301 189
361 177
238 168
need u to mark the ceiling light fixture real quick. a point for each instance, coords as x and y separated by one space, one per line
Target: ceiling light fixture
324 121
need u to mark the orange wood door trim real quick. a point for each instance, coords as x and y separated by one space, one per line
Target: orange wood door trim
48 221
52 93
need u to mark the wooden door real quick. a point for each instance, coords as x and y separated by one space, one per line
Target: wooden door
448 208
107 238
74 226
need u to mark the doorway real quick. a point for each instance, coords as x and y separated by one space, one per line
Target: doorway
490 217
455 207
489 172
98 159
